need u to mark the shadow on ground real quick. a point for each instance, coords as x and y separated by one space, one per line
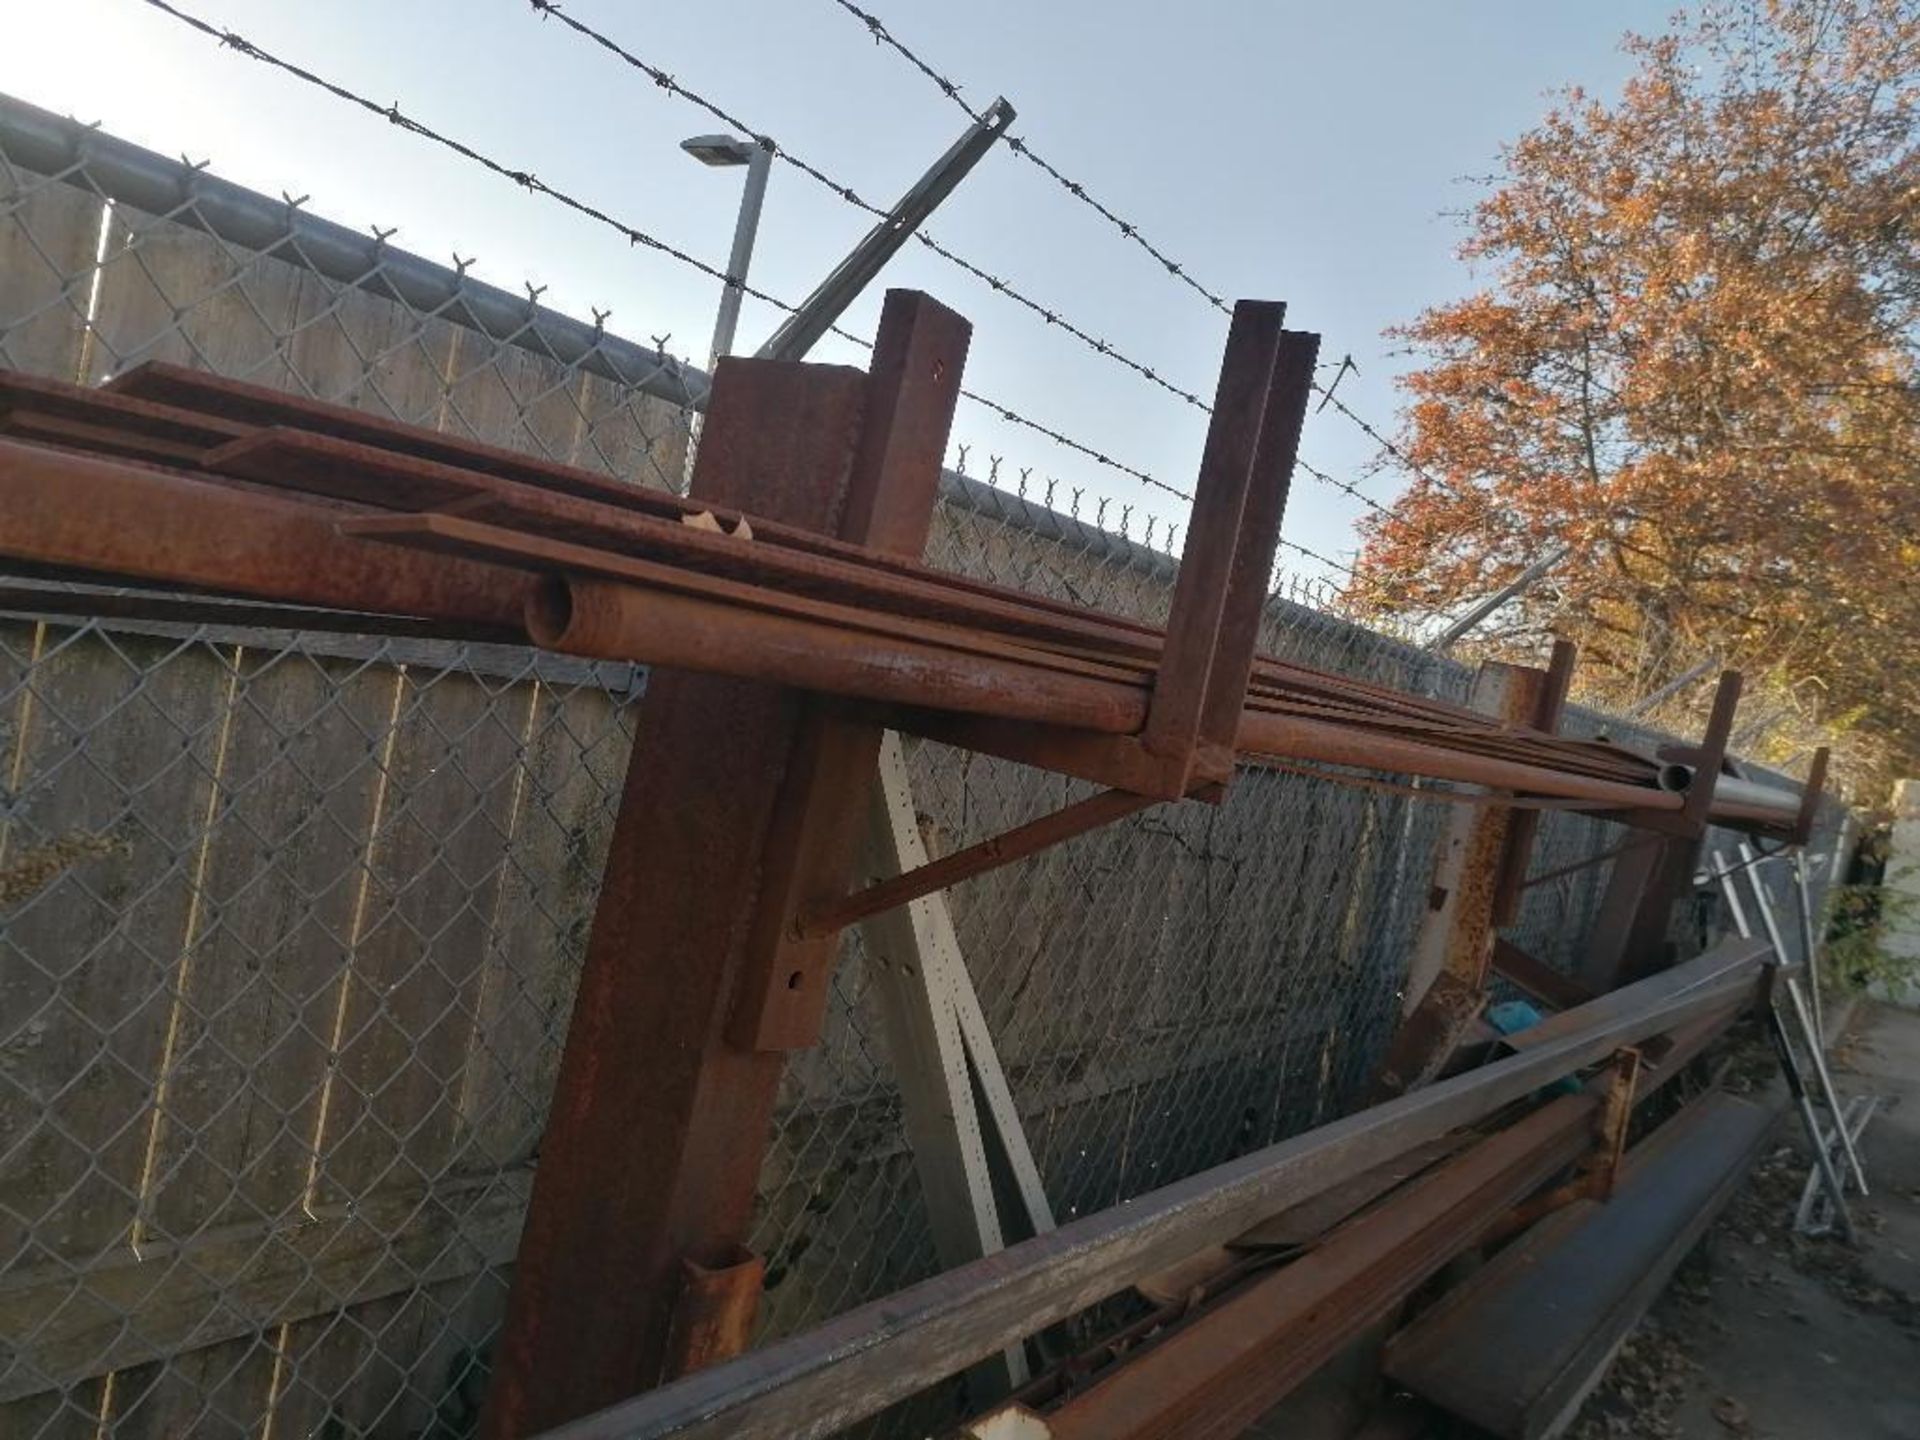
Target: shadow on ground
1768 1335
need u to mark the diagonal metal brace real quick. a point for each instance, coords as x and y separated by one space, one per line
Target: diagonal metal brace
1002 849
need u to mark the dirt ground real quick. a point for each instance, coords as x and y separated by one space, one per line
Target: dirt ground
1767 1335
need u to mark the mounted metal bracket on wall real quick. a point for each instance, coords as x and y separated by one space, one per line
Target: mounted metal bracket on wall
801 330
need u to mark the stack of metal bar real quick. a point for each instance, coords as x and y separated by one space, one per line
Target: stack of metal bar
230 501
178 479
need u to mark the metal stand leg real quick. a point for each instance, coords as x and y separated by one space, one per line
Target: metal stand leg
1809 940
1790 1067
1808 1220
1808 1029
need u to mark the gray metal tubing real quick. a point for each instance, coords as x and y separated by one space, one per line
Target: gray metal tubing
1809 941
1735 791
1804 1017
41 141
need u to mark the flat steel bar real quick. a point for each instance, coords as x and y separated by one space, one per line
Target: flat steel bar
1810 796
1223 1369
858 1363
1215 534
1291 737
919 356
1002 849
1537 978
1612 852
1514 1348
1251 579
365 474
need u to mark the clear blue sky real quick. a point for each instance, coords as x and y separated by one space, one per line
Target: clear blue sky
1295 151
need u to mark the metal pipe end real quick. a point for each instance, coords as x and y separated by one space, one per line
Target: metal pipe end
549 611
1675 778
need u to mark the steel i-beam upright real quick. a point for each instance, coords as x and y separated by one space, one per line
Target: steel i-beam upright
740 795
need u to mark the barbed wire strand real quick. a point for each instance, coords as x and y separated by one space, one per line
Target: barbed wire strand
673 85
1051 315
951 89
1024 149
533 184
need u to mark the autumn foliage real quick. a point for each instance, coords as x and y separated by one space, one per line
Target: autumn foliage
1693 361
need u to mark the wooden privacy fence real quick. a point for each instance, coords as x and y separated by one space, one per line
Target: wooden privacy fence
290 923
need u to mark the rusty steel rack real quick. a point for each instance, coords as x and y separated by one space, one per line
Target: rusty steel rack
785 605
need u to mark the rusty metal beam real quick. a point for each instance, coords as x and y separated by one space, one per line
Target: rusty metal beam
113 518
1516 850
858 1363
1647 887
1211 565
1221 1371
1003 849
1540 980
1447 971
660 1116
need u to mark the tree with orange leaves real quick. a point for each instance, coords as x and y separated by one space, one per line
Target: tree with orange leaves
1694 363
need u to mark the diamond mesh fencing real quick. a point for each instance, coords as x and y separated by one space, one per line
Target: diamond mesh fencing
290 923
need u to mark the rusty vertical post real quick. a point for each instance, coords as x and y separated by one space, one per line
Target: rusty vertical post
1447 976
1214 538
1524 825
1630 936
653 1147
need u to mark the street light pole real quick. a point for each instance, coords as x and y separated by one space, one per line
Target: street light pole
729 150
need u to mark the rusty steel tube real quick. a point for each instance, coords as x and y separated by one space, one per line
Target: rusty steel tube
1294 738
131 522
607 620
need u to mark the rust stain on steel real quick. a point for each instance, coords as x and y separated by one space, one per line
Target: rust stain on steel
912 390
654 1141
1455 942
1215 537
714 1313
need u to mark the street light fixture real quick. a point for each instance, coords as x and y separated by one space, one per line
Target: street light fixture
722 151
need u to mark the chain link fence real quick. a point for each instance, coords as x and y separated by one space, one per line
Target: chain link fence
290 923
